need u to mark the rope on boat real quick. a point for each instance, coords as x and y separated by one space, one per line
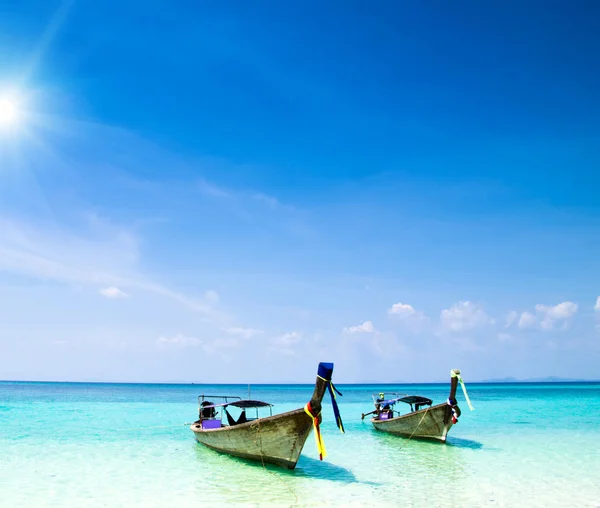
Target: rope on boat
416 428
419 424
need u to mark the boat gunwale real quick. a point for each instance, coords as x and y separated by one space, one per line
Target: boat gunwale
413 413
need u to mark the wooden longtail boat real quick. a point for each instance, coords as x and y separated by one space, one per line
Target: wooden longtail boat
277 439
424 421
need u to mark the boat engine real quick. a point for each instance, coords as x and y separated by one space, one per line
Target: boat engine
207 412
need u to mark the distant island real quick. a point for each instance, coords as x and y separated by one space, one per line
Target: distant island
549 379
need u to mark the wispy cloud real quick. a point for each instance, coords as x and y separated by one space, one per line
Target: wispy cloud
284 344
551 315
211 346
407 316
366 327
180 341
211 296
213 190
288 339
98 253
511 318
113 292
402 310
527 320
274 203
49 251
597 306
546 317
244 333
464 315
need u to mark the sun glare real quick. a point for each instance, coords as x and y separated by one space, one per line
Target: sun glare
8 112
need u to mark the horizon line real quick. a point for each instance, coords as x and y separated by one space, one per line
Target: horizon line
370 383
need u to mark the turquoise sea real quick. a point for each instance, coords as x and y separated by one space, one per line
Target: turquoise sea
126 445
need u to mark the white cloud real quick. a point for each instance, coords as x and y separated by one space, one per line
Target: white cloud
463 316
284 344
527 320
511 318
563 310
546 317
402 310
407 316
597 306
179 341
504 337
549 315
287 339
366 327
113 292
244 333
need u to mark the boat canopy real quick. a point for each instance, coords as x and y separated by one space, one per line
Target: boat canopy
416 399
408 399
242 404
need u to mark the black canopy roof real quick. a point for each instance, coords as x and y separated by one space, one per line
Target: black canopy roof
409 399
416 399
243 404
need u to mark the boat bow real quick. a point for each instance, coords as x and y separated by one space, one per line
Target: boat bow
313 408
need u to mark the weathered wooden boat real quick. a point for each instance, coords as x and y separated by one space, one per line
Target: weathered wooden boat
277 439
424 421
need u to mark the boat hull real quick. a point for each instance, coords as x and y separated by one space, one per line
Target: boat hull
275 439
431 423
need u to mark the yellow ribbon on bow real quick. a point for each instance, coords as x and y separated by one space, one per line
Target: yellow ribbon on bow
318 436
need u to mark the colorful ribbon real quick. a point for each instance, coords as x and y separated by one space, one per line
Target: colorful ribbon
336 411
315 418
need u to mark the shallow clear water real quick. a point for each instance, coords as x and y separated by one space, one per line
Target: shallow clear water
115 445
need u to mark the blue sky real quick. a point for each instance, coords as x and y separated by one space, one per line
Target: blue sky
232 193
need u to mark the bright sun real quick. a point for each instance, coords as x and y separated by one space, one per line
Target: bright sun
8 112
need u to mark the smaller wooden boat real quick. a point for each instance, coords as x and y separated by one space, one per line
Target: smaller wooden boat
277 439
424 421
